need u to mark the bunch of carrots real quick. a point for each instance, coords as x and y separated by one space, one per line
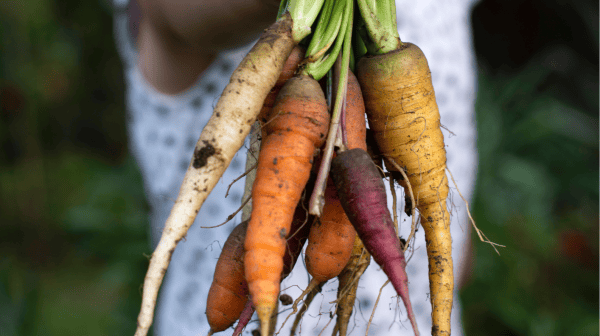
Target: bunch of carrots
309 54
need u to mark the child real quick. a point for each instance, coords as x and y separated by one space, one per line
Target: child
177 62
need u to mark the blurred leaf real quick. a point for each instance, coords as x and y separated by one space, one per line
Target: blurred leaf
559 119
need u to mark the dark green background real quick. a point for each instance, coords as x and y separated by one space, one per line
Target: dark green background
73 218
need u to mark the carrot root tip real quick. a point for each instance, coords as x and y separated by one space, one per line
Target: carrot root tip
264 315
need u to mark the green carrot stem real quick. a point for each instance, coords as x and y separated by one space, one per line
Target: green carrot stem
317 198
371 47
393 20
358 45
319 68
304 13
282 8
380 21
322 40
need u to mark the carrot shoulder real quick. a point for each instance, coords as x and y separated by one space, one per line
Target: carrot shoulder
298 125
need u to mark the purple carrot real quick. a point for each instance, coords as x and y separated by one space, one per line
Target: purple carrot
244 318
364 200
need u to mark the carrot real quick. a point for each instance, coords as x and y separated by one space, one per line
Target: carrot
348 284
329 243
297 126
228 292
403 113
354 116
295 241
363 197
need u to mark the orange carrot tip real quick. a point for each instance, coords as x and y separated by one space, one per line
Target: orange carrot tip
264 315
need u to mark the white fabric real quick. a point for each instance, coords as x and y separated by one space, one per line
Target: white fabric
163 130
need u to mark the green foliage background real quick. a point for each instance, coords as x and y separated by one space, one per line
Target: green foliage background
73 218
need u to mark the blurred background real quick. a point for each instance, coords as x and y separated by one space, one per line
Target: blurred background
73 238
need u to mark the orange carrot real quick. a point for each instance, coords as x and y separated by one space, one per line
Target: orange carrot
297 126
403 114
228 292
329 242
355 123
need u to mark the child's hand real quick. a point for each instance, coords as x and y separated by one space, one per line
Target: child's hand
178 39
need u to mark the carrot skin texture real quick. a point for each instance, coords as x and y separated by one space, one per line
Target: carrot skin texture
356 125
228 292
297 126
404 116
330 240
363 197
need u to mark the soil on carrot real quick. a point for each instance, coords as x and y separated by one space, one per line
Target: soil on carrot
201 155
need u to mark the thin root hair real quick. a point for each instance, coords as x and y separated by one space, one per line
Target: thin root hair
375 306
480 233
230 217
413 227
239 178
